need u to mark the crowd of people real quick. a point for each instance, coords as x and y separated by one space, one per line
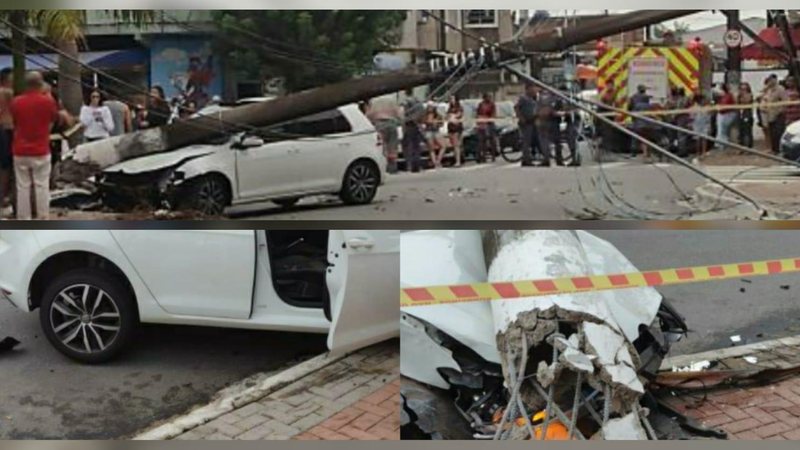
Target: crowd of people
544 123
726 113
35 128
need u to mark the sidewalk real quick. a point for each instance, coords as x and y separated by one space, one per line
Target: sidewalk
762 412
355 398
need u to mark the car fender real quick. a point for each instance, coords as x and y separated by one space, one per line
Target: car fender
98 242
223 163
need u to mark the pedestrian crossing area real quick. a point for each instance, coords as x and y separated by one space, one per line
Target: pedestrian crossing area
754 174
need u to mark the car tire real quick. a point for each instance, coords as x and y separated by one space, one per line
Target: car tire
360 183
286 202
207 194
93 332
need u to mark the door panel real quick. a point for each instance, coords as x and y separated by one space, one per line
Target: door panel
207 273
364 283
269 170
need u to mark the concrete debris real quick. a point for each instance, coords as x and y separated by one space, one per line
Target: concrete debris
626 428
546 374
571 355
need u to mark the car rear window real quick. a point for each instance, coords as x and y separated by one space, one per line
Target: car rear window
329 122
315 125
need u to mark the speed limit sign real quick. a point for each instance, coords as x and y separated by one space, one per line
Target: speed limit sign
733 38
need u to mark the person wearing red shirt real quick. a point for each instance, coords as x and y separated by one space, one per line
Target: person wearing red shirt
486 114
726 118
34 113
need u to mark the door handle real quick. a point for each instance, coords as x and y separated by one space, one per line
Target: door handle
361 243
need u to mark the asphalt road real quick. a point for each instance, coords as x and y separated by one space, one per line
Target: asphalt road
168 369
508 191
757 309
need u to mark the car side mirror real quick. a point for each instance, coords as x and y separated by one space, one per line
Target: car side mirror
250 142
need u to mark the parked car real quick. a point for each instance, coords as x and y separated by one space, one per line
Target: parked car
92 287
334 152
790 142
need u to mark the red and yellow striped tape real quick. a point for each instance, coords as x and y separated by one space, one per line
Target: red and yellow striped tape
439 295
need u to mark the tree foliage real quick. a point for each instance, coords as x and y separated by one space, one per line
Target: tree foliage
306 47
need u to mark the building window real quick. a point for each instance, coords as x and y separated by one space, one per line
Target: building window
480 18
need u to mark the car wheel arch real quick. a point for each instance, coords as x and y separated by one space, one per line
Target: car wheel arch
63 262
213 174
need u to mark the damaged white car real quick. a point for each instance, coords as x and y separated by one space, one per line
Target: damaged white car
567 366
334 152
92 287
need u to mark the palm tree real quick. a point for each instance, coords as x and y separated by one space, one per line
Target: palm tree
65 29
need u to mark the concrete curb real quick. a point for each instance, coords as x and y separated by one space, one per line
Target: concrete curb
729 352
235 397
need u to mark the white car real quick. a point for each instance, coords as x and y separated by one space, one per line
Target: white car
92 287
334 152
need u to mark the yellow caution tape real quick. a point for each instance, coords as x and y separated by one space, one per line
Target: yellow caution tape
442 295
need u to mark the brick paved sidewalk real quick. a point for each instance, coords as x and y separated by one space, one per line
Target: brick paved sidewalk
354 398
752 413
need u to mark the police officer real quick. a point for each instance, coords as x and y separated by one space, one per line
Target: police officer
413 138
526 119
545 114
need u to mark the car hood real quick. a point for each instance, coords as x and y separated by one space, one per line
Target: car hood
163 160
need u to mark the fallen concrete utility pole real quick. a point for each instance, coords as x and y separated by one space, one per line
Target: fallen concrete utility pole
169 137
565 342
110 151
596 28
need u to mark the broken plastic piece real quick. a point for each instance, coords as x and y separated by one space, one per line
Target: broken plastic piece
736 339
693 367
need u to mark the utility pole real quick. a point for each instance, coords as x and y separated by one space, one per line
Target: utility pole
442 32
733 64
19 18
259 115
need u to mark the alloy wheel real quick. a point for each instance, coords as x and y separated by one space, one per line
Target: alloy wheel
85 318
211 196
361 183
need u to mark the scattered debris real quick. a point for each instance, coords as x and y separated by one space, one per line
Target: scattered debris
713 378
693 367
751 359
785 287
736 339
8 344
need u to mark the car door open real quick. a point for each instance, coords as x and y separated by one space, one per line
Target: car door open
364 285
207 273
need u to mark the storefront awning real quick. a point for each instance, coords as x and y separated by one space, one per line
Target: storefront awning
773 37
111 59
